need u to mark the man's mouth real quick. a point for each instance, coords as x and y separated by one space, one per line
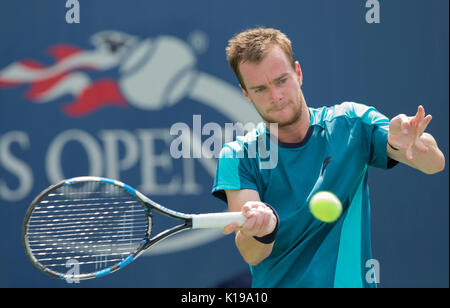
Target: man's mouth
279 108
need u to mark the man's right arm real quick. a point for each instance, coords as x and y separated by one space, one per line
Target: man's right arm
257 224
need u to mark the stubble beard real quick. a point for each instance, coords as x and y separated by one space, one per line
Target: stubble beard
292 120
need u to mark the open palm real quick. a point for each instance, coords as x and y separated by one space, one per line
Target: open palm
405 132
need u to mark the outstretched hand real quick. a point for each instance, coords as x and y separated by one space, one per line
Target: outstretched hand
405 132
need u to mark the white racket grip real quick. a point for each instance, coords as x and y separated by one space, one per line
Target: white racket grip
220 220
216 220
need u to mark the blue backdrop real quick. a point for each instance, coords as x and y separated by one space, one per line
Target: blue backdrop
99 96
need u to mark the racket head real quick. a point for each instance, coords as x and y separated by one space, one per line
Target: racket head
85 227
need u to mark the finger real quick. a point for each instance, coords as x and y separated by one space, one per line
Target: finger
263 221
250 223
230 228
420 115
259 225
409 153
267 218
421 146
266 222
424 123
252 205
258 230
417 117
421 111
248 209
405 127
250 213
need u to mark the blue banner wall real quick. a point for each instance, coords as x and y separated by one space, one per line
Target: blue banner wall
99 96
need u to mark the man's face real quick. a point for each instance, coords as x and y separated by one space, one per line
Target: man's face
273 87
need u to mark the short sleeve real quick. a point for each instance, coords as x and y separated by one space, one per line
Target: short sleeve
233 173
376 130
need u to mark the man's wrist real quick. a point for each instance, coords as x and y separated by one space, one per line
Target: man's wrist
392 147
269 238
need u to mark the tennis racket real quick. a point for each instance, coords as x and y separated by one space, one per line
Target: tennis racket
101 224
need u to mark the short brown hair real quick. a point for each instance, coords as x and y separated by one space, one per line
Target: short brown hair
253 45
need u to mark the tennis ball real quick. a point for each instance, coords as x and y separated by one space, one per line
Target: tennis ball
325 206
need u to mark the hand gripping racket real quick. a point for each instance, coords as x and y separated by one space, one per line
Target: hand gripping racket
101 224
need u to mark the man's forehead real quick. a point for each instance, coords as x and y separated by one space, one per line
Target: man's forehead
271 67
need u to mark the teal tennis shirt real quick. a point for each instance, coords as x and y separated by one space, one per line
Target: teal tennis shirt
341 143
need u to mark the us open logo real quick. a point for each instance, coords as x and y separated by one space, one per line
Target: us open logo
151 78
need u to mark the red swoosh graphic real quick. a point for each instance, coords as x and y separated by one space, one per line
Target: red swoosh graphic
100 94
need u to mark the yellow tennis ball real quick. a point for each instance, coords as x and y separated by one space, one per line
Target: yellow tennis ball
325 206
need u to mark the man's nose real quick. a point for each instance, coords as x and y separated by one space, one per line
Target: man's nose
276 94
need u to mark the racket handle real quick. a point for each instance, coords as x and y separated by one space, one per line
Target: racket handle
216 220
219 220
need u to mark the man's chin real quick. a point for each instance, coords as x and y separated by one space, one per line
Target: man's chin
287 122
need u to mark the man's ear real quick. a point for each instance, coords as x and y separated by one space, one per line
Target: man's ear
298 72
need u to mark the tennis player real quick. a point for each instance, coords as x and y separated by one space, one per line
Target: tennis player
328 148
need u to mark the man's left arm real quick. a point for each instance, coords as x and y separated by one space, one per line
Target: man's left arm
409 144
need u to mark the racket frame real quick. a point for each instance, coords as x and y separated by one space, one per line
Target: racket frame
146 242
190 221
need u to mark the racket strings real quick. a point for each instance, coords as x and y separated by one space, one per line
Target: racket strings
93 224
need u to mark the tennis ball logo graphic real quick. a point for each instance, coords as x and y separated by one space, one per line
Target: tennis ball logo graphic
157 73
325 206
